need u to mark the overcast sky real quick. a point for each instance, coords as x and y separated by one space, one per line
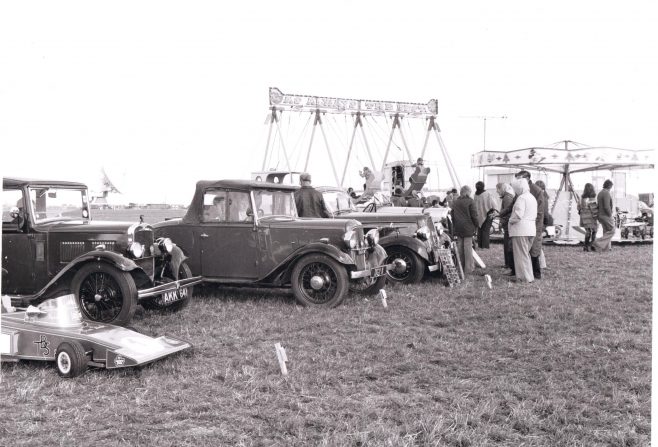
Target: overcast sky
165 93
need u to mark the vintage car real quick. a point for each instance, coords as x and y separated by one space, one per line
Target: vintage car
51 245
411 240
227 242
56 331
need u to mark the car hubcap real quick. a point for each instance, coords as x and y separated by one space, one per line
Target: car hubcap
64 362
400 266
317 282
403 266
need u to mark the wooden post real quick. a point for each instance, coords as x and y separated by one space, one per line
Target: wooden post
282 357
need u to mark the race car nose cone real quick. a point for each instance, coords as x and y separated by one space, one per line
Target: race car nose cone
400 266
317 282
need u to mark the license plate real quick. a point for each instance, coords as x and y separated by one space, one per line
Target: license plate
378 271
173 295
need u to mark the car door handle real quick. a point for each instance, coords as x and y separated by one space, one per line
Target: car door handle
203 235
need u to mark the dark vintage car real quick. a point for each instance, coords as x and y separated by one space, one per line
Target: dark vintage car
227 243
50 245
411 241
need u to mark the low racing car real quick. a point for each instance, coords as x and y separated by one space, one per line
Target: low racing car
55 331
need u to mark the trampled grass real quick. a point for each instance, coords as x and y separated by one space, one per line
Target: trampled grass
562 361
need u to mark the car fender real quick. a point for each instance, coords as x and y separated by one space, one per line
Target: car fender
281 274
175 259
411 243
107 257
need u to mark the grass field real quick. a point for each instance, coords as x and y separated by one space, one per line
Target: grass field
565 361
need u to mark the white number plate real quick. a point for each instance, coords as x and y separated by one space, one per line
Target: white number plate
378 271
173 295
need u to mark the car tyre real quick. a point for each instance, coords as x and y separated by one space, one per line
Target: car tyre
368 286
184 272
415 265
318 280
70 359
105 293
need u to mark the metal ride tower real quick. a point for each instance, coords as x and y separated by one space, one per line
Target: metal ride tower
358 109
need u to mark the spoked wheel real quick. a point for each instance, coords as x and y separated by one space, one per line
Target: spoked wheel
409 267
368 286
318 280
105 293
181 297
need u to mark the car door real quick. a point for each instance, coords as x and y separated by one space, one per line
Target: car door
228 240
18 251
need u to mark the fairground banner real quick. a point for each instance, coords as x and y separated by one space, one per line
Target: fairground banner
581 159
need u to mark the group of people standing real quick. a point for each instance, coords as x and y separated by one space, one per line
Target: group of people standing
523 215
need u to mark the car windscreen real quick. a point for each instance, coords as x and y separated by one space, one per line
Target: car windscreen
55 203
274 203
337 201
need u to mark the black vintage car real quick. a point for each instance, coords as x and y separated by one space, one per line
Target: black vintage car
51 246
228 242
411 241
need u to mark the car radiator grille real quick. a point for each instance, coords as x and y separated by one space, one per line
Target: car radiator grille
70 250
145 237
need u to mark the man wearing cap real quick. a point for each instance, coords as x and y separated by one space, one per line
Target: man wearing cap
309 201
535 250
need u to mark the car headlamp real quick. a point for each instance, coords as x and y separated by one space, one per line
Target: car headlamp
423 233
165 244
351 240
372 237
136 249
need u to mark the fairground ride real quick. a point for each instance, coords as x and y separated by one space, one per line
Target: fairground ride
566 160
362 117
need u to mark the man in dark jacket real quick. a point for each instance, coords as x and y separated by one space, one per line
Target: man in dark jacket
604 203
309 201
465 222
507 196
535 250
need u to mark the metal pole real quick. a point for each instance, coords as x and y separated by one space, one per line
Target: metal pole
331 159
357 121
427 136
269 135
404 142
310 144
390 139
283 146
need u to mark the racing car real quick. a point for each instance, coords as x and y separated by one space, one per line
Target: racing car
56 331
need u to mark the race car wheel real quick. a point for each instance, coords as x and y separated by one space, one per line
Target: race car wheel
368 286
410 268
70 359
105 293
159 302
318 280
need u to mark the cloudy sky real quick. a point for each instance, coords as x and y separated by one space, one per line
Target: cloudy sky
164 93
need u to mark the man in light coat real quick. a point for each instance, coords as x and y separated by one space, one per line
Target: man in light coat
486 206
535 250
522 229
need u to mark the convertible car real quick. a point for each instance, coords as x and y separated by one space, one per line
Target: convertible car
56 331
247 233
